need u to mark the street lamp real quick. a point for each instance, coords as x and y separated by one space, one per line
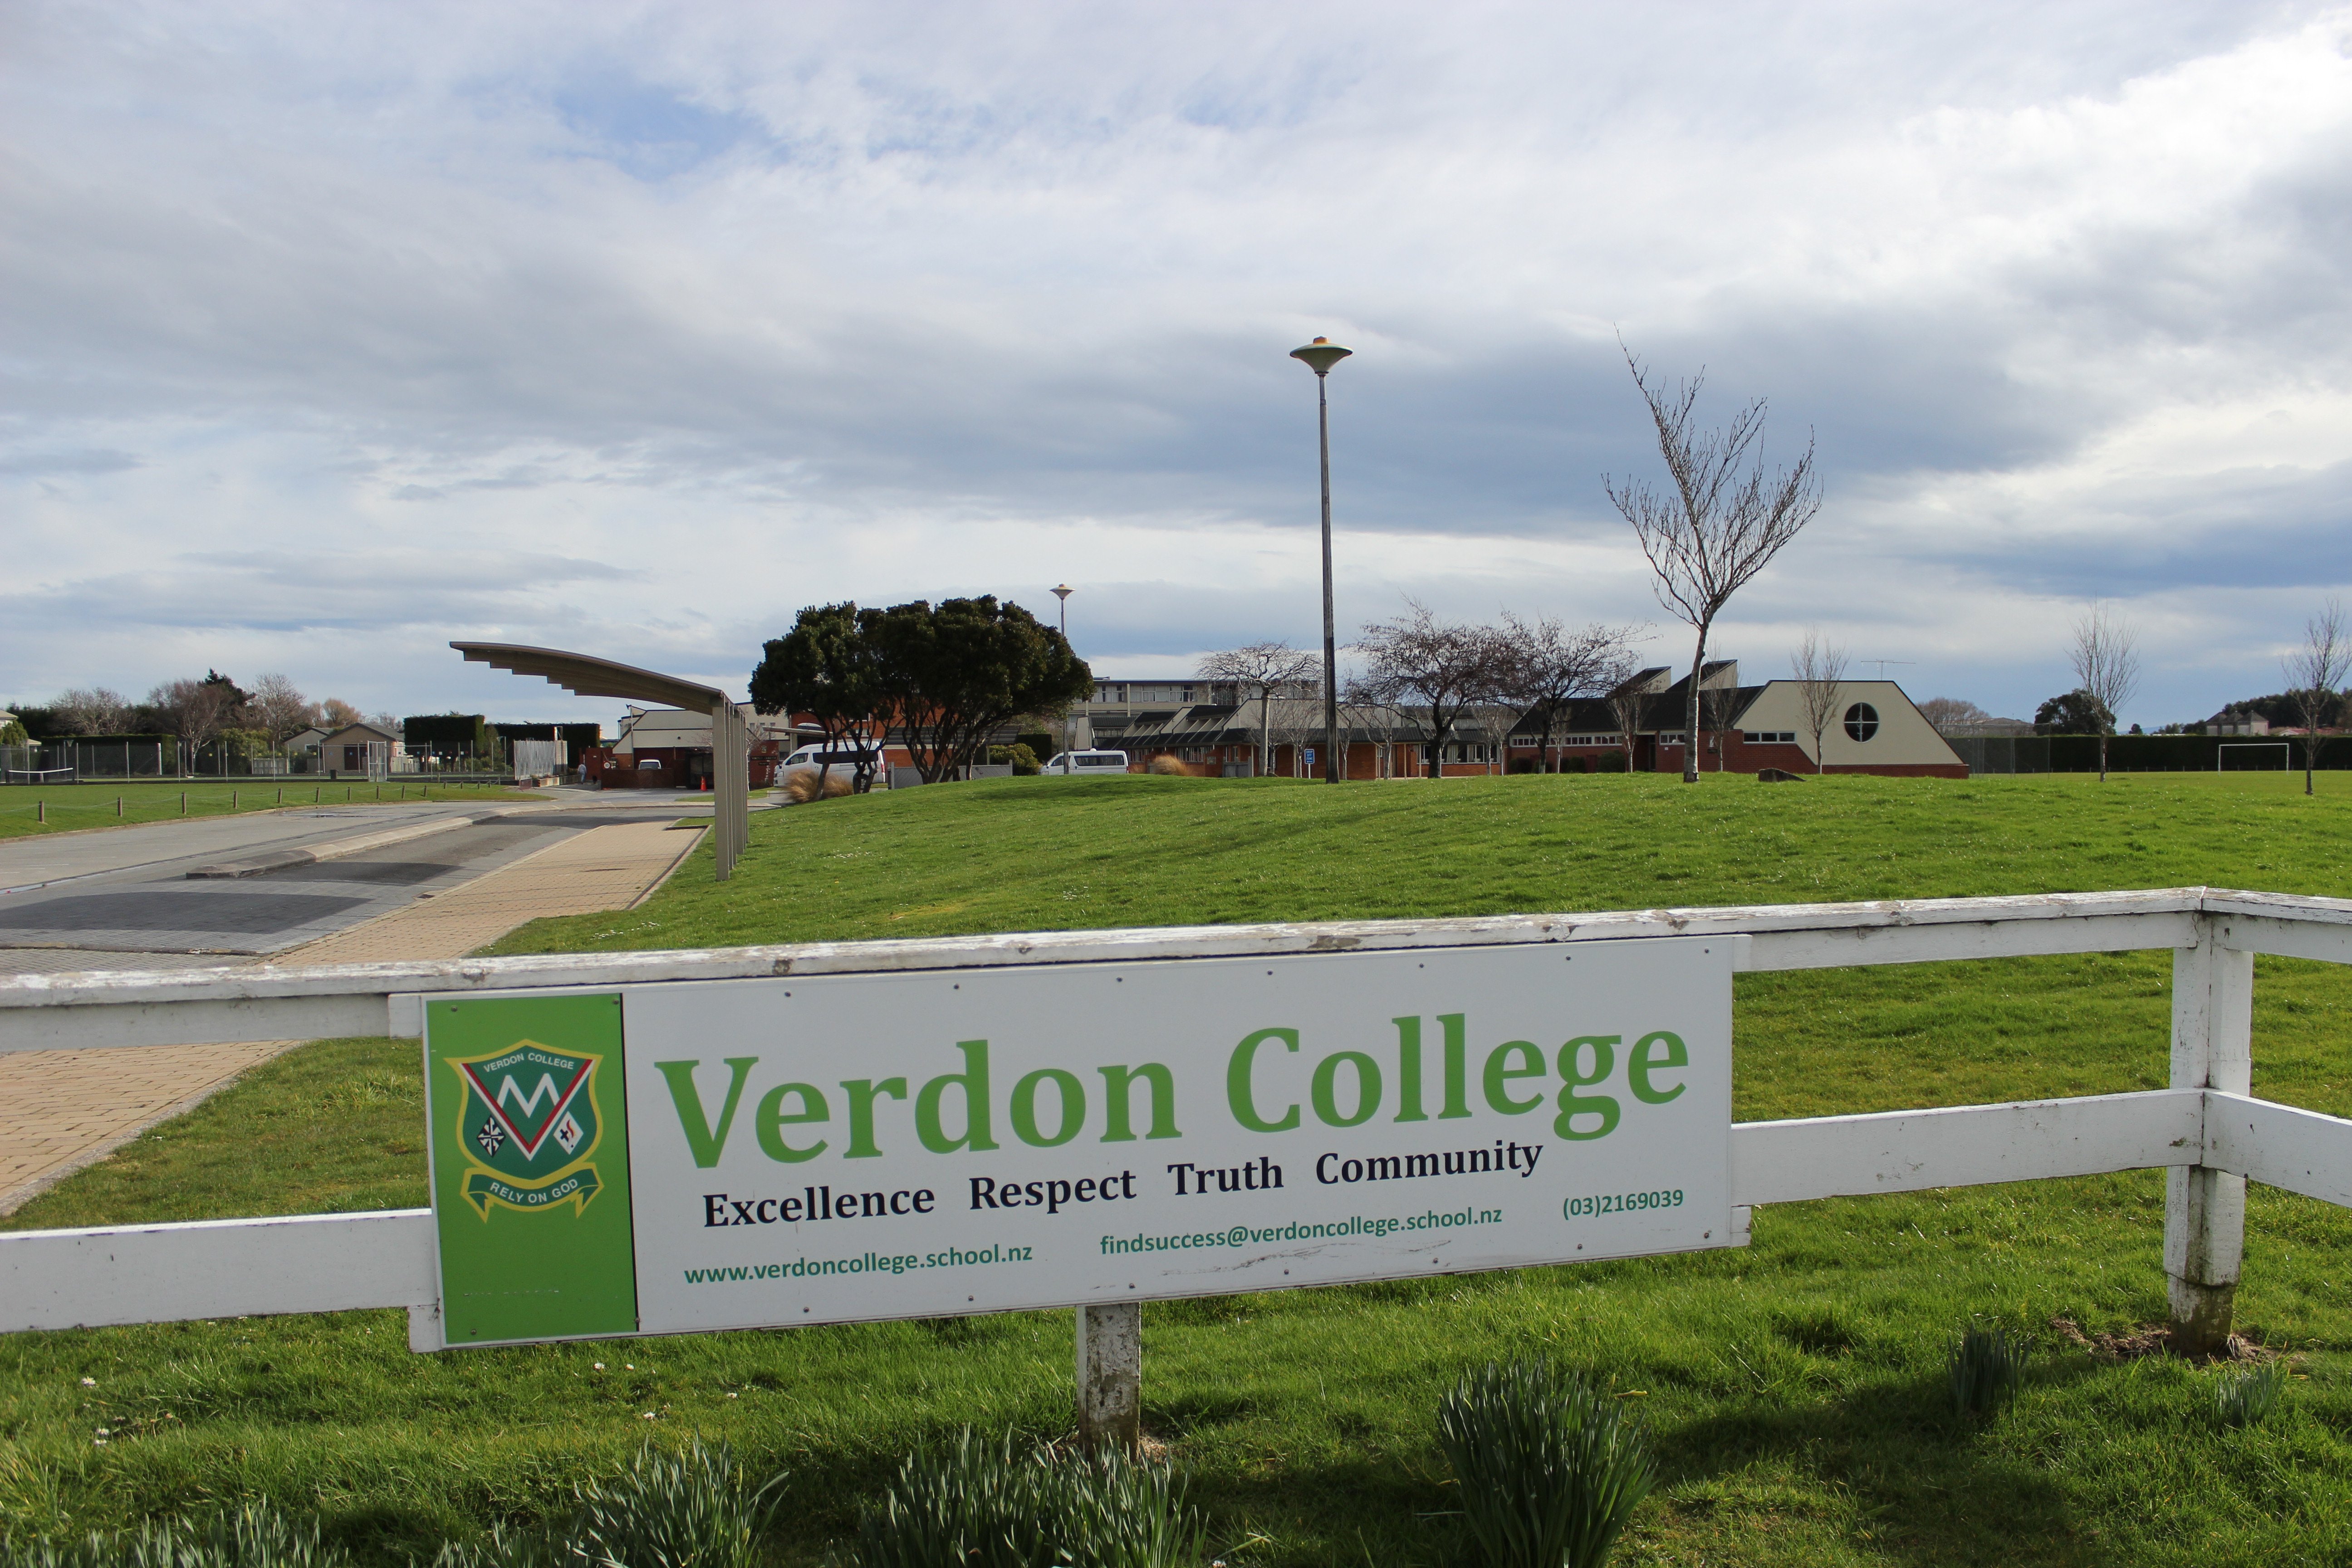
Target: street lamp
1063 593
1319 356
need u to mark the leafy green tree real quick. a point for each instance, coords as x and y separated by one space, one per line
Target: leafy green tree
955 672
2075 712
828 667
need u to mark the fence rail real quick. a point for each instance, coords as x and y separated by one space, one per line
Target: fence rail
2206 1129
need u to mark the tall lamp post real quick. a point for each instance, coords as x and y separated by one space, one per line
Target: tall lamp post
1319 356
1063 593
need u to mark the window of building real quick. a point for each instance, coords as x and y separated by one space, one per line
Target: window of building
1771 737
1862 722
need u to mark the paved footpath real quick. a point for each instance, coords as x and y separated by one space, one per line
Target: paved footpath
60 1111
38 861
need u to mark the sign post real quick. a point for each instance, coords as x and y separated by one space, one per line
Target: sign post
680 1158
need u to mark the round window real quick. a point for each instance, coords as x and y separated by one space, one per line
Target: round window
1862 720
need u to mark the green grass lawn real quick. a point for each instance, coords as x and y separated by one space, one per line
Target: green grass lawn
1795 1387
26 809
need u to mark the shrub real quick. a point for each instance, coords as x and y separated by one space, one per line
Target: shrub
1041 744
1168 766
800 784
1576 765
1024 760
256 1536
1524 765
1549 1471
981 1504
1986 1369
2247 1398
1611 762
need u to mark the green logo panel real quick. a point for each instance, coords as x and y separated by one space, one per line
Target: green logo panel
531 1168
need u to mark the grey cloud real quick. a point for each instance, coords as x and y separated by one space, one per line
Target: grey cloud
87 460
776 266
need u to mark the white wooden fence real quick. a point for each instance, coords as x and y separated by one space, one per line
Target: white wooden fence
2206 1129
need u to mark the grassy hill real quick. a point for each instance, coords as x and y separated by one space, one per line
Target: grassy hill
1795 1387
1042 855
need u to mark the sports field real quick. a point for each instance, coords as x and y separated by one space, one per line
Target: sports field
1795 1388
64 808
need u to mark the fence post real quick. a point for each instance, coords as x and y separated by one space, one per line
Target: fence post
2205 1209
1110 1375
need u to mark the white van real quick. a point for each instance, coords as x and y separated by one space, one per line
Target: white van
836 755
836 759
1077 764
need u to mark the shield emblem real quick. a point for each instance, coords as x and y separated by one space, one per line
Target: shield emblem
529 1126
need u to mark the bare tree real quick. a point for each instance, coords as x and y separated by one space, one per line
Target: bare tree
197 710
92 711
1261 670
1717 706
2315 676
1941 711
1720 521
1359 715
1545 667
1297 725
2107 665
1820 665
334 714
1627 704
1442 667
278 710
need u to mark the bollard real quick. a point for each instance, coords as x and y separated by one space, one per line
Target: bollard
1110 1375
232 800
183 803
117 806
41 814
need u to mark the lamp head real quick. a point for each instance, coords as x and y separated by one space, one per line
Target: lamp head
1063 592
1320 355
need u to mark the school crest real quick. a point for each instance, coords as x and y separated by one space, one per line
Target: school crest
528 1125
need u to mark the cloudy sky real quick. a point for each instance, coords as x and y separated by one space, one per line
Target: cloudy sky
333 332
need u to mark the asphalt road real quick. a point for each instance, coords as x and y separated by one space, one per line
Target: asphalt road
124 899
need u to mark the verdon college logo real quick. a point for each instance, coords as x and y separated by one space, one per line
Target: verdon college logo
528 1125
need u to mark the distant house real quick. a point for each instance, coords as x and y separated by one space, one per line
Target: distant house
2237 722
304 742
356 749
669 748
1743 729
1874 728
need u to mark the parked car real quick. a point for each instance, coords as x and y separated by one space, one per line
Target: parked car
1078 764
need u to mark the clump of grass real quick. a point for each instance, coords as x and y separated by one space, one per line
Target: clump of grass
2246 1398
802 785
257 1535
689 1509
983 1504
1549 1471
1986 1369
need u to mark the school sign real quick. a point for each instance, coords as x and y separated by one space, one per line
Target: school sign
680 1157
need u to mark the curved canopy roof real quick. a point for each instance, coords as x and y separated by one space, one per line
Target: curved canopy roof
590 676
